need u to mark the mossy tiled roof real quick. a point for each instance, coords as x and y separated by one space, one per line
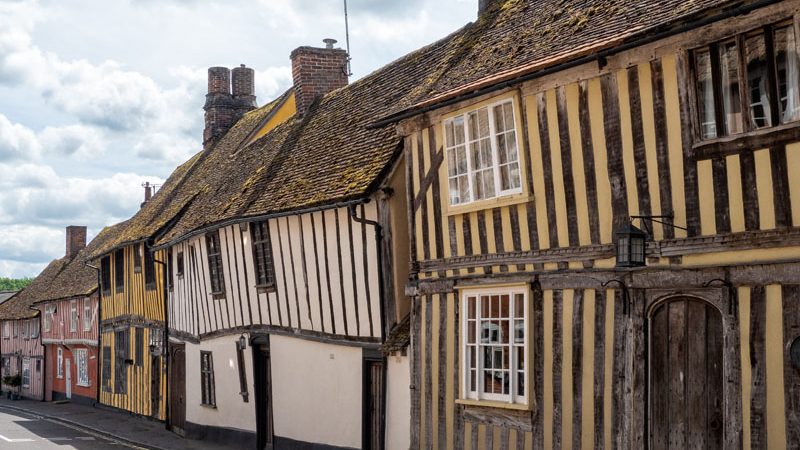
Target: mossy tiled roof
62 278
529 35
331 153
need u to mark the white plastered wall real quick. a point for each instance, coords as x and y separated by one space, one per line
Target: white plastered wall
316 391
231 410
398 403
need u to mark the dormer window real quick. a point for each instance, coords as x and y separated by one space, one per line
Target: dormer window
482 154
748 82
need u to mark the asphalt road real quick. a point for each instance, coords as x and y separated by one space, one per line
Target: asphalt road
25 431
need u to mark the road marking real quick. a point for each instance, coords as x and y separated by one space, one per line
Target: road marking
85 438
59 439
14 440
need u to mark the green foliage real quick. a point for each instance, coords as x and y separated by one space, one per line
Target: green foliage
12 380
14 284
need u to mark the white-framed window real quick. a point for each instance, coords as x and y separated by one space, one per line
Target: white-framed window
73 315
87 314
34 329
482 154
60 363
24 327
82 361
26 372
6 330
15 328
494 344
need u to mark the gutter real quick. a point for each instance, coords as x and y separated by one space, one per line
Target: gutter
99 331
237 220
600 56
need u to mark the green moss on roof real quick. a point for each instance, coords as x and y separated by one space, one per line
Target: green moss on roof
331 155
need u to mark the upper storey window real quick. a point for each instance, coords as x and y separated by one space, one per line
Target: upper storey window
482 154
215 263
748 82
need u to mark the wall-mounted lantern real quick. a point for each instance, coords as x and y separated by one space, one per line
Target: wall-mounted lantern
630 246
241 344
632 241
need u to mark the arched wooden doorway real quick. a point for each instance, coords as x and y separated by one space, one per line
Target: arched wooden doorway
686 387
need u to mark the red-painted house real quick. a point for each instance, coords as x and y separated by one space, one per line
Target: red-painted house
50 328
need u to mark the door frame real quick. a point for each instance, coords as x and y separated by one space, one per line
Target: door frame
172 347
725 301
369 356
262 431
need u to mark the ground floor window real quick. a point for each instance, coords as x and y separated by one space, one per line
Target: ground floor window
60 363
207 379
495 344
82 361
106 376
26 372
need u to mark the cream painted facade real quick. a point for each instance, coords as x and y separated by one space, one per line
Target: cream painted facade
231 411
316 391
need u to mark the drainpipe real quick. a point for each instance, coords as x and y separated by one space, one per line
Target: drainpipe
378 237
99 331
165 340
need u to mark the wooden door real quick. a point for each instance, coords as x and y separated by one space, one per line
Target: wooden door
177 385
374 389
155 385
263 387
686 383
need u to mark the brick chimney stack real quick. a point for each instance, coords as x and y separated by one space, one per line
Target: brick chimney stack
223 107
483 5
76 240
148 193
317 71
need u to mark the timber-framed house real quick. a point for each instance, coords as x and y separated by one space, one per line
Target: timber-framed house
554 136
282 268
68 323
131 317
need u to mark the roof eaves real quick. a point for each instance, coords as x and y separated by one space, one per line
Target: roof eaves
595 52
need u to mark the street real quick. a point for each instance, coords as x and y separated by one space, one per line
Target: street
26 431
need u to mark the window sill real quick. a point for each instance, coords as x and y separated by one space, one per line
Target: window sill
208 406
83 385
137 270
118 291
496 202
265 288
218 295
494 404
754 140
150 286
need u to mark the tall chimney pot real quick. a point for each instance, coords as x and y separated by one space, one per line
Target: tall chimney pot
148 192
223 107
76 240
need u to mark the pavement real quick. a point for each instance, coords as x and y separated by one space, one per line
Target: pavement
31 424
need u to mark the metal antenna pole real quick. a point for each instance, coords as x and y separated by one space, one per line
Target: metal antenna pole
347 38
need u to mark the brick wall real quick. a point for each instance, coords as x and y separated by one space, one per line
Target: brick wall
76 240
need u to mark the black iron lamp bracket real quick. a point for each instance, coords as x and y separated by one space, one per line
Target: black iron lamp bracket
667 220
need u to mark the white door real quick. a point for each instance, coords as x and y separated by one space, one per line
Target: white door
69 377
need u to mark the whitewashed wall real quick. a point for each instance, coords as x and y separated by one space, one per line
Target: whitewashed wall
326 273
316 391
231 410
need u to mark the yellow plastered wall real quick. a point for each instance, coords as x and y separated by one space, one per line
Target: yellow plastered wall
284 111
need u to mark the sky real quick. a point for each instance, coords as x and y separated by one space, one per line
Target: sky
98 97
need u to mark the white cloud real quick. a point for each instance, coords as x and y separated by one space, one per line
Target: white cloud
72 140
17 142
